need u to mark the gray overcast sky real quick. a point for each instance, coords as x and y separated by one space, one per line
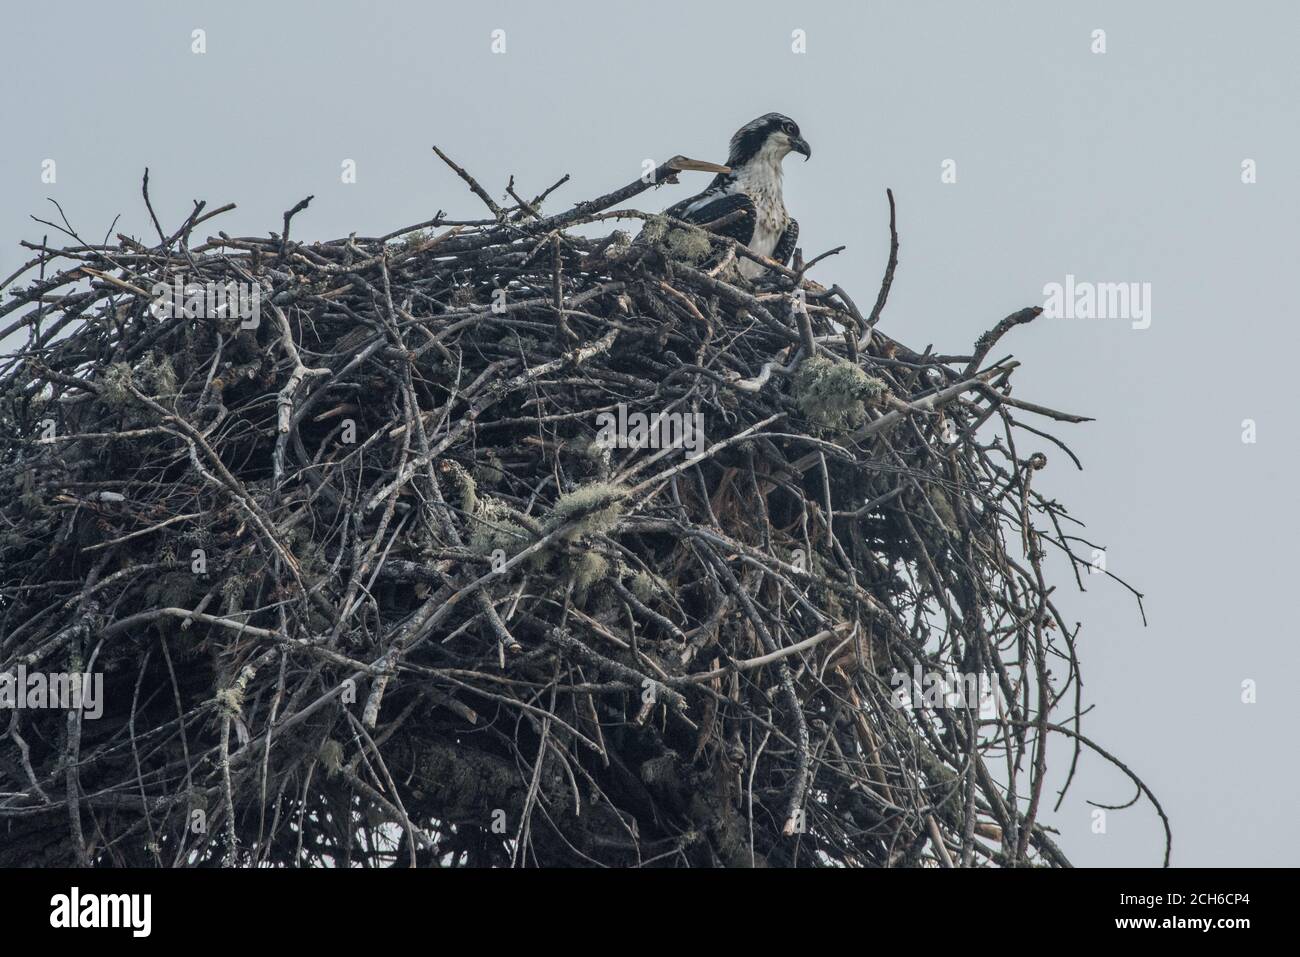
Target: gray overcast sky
1115 167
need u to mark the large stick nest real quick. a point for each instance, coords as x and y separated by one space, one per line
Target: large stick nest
367 583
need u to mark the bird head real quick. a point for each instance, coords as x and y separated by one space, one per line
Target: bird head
768 138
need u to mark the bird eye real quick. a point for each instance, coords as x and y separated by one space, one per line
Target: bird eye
790 127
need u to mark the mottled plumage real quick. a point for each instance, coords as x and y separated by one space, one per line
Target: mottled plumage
753 187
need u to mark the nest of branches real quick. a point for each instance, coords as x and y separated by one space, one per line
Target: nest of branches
485 543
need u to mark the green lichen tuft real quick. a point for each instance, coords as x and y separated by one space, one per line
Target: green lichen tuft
489 534
688 245
153 375
941 505
833 394
114 389
331 756
156 374
230 701
589 570
233 587
654 229
413 239
590 510
489 472
466 488
646 586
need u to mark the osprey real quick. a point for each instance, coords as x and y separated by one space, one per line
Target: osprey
754 187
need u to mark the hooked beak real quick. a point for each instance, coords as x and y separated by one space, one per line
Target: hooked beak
800 145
